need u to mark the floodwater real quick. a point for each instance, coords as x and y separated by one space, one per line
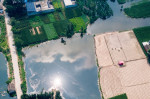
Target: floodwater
70 68
3 78
118 22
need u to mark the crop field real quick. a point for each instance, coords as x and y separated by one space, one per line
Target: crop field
61 16
45 18
39 28
140 10
73 12
78 23
61 27
51 17
50 31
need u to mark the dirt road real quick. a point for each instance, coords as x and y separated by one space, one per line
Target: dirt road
14 56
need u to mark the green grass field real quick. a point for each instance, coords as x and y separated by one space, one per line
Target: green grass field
142 34
121 1
50 31
140 10
78 23
122 96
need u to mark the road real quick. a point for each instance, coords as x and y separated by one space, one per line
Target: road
13 55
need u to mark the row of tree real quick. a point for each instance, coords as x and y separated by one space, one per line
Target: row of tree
15 8
46 95
95 9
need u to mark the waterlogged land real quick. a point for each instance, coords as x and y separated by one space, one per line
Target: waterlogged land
70 68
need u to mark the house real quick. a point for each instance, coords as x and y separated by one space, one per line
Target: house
39 7
1 9
70 3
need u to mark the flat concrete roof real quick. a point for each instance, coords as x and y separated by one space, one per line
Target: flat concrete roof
68 2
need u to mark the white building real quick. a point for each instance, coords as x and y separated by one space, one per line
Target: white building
70 3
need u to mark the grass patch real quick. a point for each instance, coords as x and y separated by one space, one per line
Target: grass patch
51 17
50 31
142 34
122 96
121 1
141 10
78 23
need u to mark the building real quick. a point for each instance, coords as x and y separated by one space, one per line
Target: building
39 7
146 45
70 3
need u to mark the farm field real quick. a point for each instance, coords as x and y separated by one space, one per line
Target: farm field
40 28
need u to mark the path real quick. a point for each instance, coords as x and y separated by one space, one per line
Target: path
13 55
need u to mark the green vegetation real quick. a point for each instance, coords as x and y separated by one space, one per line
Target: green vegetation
61 27
140 10
78 22
4 48
121 1
30 30
57 4
142 34
95 9
50 31
122 96
45 95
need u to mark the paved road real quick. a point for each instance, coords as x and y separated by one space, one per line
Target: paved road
14 56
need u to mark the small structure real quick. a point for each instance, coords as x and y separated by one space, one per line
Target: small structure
70 3
39 7
146 46
1 9
11 88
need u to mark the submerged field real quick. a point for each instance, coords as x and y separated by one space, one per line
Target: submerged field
139 10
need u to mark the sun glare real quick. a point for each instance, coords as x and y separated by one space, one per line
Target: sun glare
57 82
